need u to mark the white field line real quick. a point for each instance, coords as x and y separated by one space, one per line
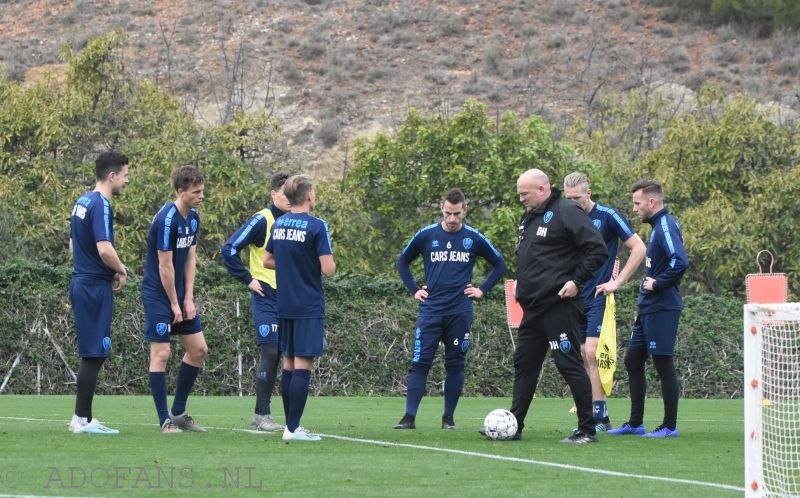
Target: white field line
489 456
41 496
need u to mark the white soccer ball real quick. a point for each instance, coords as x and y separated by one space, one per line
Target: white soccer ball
500 425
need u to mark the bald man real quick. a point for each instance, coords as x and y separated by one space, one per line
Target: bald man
558 249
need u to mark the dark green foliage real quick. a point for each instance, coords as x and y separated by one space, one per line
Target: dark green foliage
52 130
370 326
764 15
397 182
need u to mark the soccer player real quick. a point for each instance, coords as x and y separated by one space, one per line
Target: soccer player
168 298
558 249
300 251
449 250
97 273
613 227
263 297
659 309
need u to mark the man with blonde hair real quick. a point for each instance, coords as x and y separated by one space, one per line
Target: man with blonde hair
613 227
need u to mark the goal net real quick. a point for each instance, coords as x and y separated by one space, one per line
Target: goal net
772 399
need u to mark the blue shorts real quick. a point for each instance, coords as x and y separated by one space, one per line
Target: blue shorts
593 319
92 306
158 326
452 330
656 331
265 315
304 337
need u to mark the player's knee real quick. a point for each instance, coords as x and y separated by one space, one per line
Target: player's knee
198 351
455 363
635 359
422 366
270 356
159 358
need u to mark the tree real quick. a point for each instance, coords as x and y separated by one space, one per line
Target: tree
727 170
51 131
397 183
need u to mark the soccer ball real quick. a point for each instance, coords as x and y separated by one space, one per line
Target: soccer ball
500 425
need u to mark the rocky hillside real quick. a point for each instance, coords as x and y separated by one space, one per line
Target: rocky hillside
333 70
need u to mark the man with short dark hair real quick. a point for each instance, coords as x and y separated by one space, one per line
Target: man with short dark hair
300 251
254 235
659 309
168 298
449 250
97 274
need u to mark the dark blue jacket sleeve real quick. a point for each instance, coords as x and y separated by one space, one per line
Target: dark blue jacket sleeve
404 266
671 240
253 232
494 258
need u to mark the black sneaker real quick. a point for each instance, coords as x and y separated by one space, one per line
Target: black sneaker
407 422
448 423
516 437
580 438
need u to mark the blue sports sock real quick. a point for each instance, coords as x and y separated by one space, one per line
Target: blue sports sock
298 393
286 382
183 386
599 412
453 385
415 391
158 388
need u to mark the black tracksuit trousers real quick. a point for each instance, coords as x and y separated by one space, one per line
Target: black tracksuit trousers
556 330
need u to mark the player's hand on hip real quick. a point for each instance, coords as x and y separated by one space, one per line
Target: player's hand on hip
648 284
177 313
422 294
473 292
189 311
568 290
120 279
255 286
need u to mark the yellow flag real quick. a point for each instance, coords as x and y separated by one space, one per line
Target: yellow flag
606 354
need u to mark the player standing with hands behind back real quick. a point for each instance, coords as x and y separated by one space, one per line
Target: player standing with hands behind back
300 251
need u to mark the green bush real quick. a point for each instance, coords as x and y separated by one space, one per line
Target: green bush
370 326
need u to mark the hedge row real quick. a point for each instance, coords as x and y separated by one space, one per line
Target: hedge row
370 324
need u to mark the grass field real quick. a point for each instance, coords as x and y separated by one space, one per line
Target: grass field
361 455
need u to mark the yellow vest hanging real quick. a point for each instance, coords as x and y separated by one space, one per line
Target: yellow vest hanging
257 269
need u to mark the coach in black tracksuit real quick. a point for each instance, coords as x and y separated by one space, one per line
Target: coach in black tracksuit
558 248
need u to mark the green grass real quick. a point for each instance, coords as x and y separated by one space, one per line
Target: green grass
40 457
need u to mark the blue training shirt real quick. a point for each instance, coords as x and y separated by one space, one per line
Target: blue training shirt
666 262
92 221
613 227
297 241
254 232
448 260
169 231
